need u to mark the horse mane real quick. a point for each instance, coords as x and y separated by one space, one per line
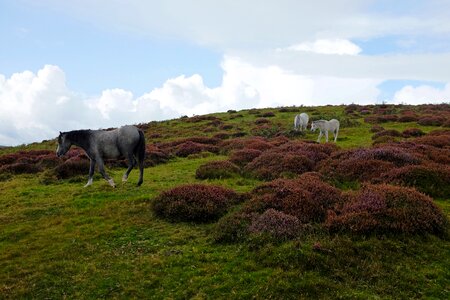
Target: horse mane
79 137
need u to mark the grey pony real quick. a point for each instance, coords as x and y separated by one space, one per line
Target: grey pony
126 141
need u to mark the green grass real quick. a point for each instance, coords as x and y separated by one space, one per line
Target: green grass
63 240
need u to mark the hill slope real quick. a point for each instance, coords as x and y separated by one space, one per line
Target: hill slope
58 239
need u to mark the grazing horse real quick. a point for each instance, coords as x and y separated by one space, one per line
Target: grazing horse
325 126
126 141
301 121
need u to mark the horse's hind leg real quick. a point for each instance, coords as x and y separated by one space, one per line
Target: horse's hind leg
131 164
101 169
336 135
141 171
326 135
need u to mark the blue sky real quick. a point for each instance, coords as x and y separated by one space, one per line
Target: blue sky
125 62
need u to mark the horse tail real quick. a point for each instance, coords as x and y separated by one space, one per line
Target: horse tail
140 147
139 152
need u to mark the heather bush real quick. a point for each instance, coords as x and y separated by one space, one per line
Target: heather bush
72 167
307 198
314 151
194 202
439 141
268 114
431 121
388 209
233 227
257 143
266 130
187 148
226 127
155 155
386 139
244 156
196 119
20 168
412 132
408 118
279 225
354 169
431 179
222 135
48 161
270 165
389 132
260 121
217 169
351 108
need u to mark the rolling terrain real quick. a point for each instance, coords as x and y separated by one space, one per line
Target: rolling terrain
239 205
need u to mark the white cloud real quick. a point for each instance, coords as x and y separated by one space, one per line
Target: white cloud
249 24
37 106
327 46
422 94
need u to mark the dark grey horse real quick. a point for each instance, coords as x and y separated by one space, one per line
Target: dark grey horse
127 141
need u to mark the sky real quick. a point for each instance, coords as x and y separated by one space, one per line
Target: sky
67 65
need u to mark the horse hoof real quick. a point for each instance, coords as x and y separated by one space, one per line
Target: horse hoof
111 183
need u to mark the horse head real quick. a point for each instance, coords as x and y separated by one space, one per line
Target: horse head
63 144
313 126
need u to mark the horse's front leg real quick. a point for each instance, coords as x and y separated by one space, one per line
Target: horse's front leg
320 135
326 135
101 169
91 172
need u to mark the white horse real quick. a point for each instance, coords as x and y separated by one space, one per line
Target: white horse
301 121
325 126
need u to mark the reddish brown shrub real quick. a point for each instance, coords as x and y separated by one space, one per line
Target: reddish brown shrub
307 198
155 155
268 114
270 165
439 141
260 121
72 167
244 156
233 227
257 143
226 127
276 223
354 169
194 202
351 108
188 148
431 121
20 168
389 132
217 169
222 135
376 128
314 151
431 179
388 209
196 119
412 132
408 118
387 139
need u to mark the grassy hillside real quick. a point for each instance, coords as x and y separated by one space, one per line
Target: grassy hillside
58 239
